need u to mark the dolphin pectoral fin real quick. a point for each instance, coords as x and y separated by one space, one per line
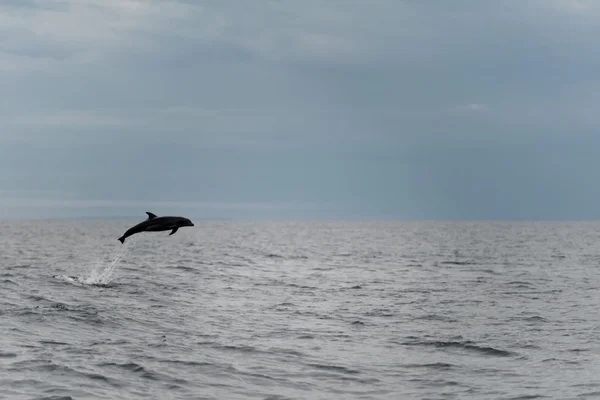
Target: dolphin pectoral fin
150 215
173 231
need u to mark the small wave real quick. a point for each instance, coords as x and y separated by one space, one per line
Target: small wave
355 287
490 271
536 318
384 312
289 257
520 284
50 366
279 282
294 285
530 346
335 368
443 383
457 262
133 367
438 365
435 317
590 394
464 345
52 342
185 268
79 313
283 307
323 268
285 351
273 255
17 266
560 361
188 363
244 349
143 372
110 342
286 304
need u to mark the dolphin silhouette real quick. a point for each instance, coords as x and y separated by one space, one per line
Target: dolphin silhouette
157 224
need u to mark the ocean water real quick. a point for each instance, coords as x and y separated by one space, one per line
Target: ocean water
300 310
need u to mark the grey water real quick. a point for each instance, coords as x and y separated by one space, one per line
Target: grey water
300 310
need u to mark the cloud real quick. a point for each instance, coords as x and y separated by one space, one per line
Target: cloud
41 202
87 31
588 8
13 194
21 64
378 106
472 108
74 118
73 32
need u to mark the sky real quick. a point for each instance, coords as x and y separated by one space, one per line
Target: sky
393 109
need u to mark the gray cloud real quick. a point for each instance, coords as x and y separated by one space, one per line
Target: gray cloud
413 109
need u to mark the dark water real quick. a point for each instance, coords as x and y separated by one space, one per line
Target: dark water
306 310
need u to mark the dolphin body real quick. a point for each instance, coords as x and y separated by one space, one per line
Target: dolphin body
157 224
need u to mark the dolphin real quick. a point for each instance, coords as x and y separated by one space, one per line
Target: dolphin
157 224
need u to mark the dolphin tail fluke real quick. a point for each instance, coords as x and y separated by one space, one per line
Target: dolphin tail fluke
122 239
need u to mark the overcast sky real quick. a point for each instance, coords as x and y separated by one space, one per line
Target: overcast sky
410 109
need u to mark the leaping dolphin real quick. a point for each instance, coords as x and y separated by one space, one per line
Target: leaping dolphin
157 224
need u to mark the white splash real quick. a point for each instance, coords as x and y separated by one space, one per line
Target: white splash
101 274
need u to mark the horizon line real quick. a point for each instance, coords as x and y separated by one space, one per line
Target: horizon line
306 218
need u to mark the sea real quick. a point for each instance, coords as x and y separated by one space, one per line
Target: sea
300 310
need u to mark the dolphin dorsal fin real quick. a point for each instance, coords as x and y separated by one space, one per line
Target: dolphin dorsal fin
150 215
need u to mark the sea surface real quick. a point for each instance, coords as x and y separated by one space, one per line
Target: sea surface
300 310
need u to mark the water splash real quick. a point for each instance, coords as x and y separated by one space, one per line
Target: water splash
100 274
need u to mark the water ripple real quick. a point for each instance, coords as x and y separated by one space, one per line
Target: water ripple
299 310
